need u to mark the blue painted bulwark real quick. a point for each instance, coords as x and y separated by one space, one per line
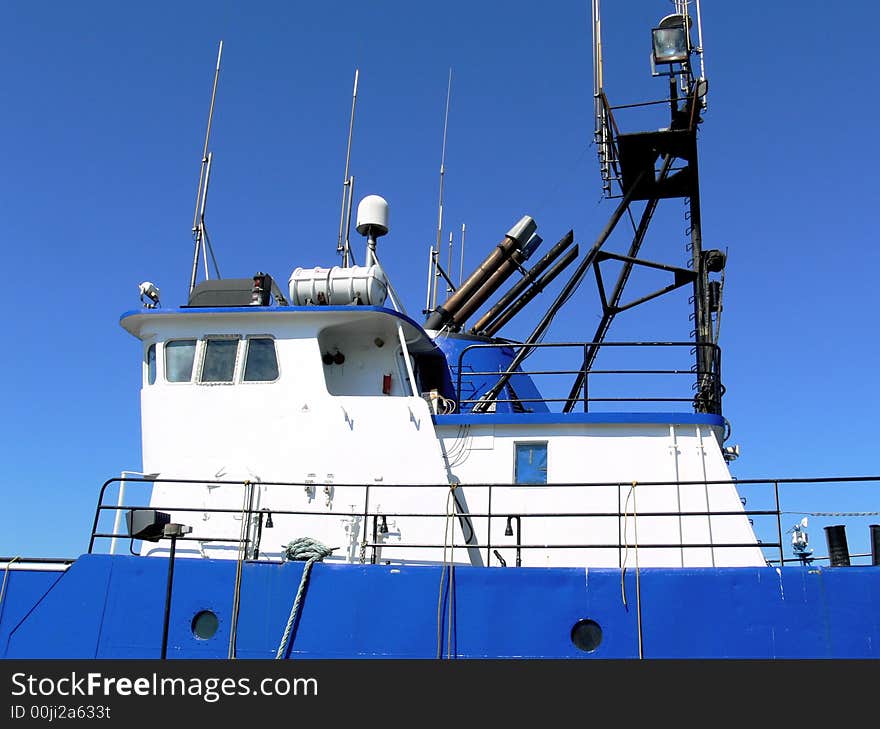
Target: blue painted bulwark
112 607
492 362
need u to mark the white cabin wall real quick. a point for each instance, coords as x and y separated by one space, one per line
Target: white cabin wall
605 453
294 430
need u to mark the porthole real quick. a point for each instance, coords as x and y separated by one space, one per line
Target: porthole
586 635
205 624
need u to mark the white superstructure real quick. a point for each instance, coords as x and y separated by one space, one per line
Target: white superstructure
335 400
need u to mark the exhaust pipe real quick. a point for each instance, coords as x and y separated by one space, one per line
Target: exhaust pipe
521 285
494 282
515 239
838 551
536 288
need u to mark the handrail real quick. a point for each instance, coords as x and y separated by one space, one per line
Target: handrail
712 376
375 544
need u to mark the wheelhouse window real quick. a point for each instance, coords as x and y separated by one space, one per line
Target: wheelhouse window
151 364
179 357
530 464
218 363
261 362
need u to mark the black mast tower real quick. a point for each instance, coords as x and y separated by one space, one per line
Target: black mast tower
656 165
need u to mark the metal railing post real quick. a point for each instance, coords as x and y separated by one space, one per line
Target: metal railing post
619 529
363 554
489 528
586 377
779 523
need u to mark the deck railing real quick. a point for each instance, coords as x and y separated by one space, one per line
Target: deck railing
770 517
703 389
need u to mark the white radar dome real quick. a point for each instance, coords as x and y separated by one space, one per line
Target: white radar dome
372 216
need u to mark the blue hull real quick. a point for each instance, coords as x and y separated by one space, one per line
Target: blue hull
113 607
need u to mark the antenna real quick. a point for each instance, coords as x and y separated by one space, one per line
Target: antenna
347 184
461 260
601 135
348 259
430 280
699 49
449 287
200 234
442 174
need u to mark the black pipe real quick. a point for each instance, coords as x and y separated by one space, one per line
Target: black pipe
838 551
168 588
875 544
500 558
495 281
521 285
536 288
516 237
566 292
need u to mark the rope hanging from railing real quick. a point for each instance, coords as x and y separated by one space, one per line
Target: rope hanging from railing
302 549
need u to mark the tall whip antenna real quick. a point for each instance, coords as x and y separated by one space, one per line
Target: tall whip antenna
461 261
342 247
200 234
442 174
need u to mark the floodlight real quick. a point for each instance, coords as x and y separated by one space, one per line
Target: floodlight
670 40
147 524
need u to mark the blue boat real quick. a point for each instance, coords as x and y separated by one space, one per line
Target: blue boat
328 475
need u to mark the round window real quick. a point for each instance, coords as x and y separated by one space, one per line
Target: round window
205 624
586 635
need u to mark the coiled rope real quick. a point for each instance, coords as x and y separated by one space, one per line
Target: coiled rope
302 549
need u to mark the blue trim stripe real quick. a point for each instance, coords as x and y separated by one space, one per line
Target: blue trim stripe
569 418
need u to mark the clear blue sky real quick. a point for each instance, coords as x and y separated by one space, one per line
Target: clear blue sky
102 125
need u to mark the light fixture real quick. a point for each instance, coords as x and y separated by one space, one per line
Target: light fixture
383 525
269 523
147 524
149 294
800 541
508 532
670 40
